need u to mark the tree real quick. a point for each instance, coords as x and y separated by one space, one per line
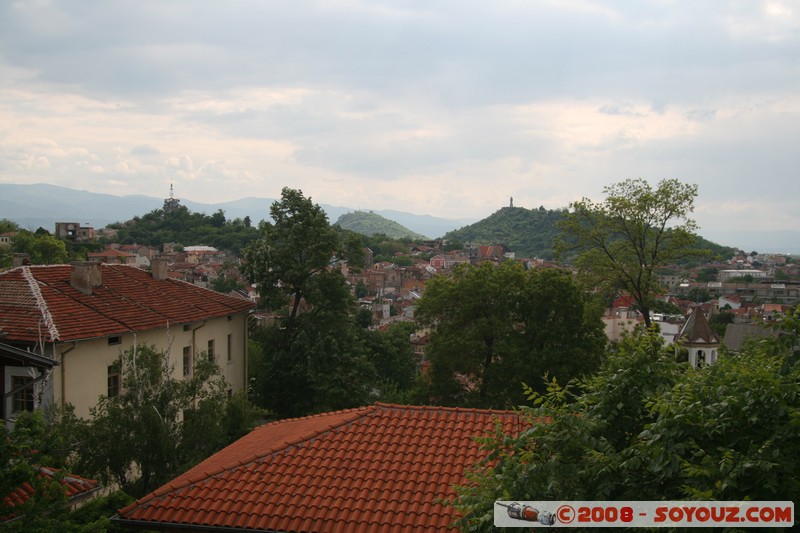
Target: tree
648 428
494 327
295 251
225 283
158 425
623 241
312 359
43 249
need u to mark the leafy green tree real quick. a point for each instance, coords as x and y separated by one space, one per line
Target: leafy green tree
719 322
158 425
627 238
7 226
707 274
20 462
647 428
295 253
225 284
698 295
496 326
312 359
43 249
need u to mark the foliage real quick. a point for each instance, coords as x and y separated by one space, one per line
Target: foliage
43 249
316 357
647 428
183 226
158 425
225 283
369 223
707 274
626 239
528 232
20 463
296 254
494 327
719 322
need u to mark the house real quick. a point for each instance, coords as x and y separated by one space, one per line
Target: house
447 261
78 490
84 315
73 231
20 372
112 255
377 468
699 339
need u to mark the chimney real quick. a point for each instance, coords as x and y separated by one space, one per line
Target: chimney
158 266
21 259
85 276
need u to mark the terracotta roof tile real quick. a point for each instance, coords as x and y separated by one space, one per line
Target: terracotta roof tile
38 302
377 468
74 487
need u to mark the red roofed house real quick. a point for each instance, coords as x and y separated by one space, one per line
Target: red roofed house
77 489
377 468
84 315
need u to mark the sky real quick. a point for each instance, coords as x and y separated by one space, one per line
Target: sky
447 108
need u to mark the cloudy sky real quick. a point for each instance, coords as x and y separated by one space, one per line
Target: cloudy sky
433 107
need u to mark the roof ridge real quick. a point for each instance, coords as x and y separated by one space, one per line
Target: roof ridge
446 408
41 303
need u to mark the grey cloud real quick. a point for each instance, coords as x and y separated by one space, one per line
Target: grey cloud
145 150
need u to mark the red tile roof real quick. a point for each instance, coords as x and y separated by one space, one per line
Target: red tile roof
377 468
74 487
38 303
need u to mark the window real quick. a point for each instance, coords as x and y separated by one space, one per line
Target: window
113 380
187 361
187 327
230 347
116 339
23 395
211 351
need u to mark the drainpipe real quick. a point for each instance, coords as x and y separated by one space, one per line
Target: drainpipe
63 372
246 383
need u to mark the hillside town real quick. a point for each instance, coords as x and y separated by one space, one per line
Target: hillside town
64 328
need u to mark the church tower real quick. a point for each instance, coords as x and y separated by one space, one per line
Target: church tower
697 336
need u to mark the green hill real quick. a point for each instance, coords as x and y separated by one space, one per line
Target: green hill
531 232
369 223
527 232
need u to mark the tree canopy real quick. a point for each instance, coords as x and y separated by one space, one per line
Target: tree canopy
494 327
315 357
648 428
624 240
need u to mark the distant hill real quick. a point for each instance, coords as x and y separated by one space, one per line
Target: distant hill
42 205
527 232
369 223
531 232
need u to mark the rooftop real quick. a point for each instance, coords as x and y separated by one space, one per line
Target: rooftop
40 303
377 468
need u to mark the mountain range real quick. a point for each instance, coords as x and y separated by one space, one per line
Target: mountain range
42 205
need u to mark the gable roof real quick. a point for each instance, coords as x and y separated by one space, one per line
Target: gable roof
39 303
377 468
697 329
